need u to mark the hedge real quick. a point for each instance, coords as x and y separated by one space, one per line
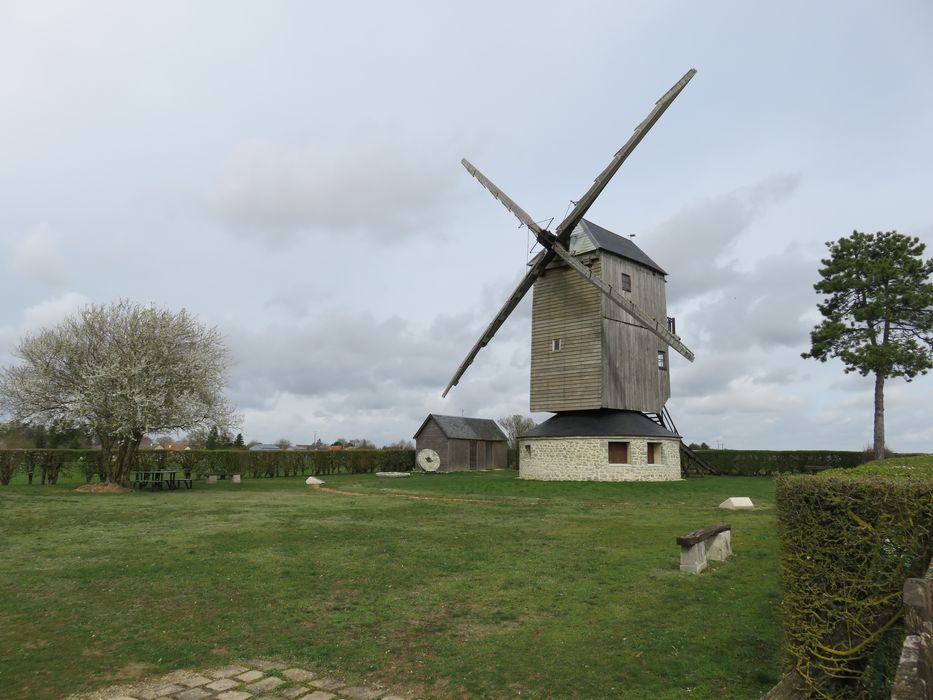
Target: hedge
849 539
50 463
767 462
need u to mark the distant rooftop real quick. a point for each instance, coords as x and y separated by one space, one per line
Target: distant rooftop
263 446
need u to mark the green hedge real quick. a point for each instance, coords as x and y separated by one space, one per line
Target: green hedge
47 464
767 462
200 463
849 539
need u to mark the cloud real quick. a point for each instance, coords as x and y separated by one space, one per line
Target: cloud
34 318
380 188
37 256
699 241
52 311
354 374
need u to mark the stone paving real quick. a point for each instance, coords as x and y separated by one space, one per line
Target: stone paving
252 680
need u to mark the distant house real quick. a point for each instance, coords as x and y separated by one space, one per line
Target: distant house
463 443
264 446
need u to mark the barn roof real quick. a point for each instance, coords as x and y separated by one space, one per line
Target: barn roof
600 422
607 240
460 428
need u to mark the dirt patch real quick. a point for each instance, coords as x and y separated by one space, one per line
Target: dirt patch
102 488
132 671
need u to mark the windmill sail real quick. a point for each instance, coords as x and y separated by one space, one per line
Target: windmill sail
554 243
514 298
627 305
586 201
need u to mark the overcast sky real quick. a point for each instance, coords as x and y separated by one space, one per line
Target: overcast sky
289 172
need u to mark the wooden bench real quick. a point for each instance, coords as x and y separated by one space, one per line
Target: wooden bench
697 548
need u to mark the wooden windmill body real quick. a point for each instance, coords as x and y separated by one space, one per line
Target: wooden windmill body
586 351
600 345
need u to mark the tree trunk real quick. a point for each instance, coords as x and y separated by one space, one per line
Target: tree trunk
879 416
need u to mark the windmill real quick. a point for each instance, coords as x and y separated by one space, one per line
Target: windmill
600 343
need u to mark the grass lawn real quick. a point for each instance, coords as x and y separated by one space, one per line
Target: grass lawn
484 586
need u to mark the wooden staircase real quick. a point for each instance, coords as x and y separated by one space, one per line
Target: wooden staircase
691 464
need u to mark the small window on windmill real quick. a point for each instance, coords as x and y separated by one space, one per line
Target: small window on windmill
662 359
654 452
626 283
555 345
527 449
618 453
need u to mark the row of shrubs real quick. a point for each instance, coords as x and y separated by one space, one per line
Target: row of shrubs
49 464
849 538
768 462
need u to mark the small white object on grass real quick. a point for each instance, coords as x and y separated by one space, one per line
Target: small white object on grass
737 503
393 475
313 481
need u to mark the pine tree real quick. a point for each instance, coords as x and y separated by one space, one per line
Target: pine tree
878 318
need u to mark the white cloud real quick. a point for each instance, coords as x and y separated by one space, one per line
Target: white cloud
52 311
44 314
38 257
377 186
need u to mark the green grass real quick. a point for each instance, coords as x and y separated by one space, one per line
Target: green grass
540 590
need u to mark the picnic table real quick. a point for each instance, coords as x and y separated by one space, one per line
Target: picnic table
160 478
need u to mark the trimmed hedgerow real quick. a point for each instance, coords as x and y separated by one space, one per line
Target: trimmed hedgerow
48 464
294 462
849 539
7 467
200 463
767 462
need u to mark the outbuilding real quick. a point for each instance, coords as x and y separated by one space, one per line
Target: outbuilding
463 443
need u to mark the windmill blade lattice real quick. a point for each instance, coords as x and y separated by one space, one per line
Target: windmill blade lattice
555 244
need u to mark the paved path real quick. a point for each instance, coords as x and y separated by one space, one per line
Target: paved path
252 680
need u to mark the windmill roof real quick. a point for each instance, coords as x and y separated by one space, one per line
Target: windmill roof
599 422
614 243
460 428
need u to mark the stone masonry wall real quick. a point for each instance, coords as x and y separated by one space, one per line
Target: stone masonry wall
587 459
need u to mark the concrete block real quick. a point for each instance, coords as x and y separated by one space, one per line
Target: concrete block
266 684
298 674
737 503
250 676
719 548
693 559
234 695
236 478
313 481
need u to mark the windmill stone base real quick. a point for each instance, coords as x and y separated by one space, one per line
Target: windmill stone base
600 445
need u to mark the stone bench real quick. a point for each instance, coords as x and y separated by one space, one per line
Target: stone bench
697 548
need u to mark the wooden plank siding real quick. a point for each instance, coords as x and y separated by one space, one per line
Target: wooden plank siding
631 378
433 438
607 359
565 306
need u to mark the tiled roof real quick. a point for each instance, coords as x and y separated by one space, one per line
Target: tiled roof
614 243
600 422
460 428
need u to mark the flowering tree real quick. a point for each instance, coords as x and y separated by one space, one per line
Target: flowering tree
122 370
515 426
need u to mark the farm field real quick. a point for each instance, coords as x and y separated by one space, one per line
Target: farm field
445 586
